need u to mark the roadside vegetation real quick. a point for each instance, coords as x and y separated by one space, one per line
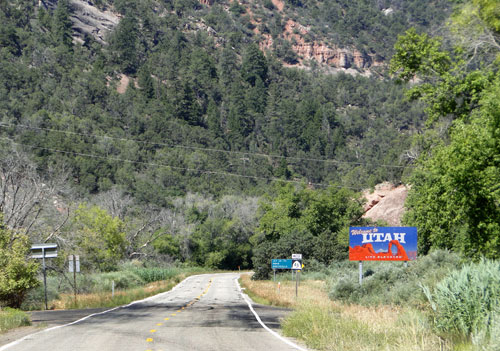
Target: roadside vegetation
436 303
96 290
218 156
11 318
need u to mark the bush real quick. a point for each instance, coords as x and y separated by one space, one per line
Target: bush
122 279
11 318
154 274
35 298
17 274
390 282
467 302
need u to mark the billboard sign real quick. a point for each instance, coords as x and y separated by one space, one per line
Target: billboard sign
382 243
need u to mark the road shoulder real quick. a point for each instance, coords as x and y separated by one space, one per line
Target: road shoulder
46 319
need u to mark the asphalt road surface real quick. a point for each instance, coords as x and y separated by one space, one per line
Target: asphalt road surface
204 312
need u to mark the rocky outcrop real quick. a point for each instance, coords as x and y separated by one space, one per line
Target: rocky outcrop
196 25
332 56
87 19
335 57
386 203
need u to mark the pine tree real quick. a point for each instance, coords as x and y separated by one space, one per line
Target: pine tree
254 65
61 25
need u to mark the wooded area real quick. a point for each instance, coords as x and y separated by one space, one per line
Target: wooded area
177 145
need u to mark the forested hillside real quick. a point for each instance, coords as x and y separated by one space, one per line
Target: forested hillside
168 107
152 129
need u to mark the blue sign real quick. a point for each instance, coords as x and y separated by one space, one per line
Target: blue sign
382 243
281 264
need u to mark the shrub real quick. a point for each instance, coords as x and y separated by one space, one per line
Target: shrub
17 274
11 318
154 274
390 282
35 298
122 279
467 302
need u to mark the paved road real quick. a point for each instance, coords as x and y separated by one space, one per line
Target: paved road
204 312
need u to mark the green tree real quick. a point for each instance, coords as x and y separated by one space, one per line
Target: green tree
455 195
307 221
447 88
454 199
62 26
124 44
254 65
100 237
17 273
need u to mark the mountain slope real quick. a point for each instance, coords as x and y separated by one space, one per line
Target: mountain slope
179 97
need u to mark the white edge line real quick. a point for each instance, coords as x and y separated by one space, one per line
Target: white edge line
249 303
16 342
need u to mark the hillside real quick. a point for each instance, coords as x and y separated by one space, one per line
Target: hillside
173 80
168 127
349 36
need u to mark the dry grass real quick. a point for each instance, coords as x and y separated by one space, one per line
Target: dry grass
329 325
313 291
105 299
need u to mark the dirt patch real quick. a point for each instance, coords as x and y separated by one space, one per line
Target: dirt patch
122 86
278 4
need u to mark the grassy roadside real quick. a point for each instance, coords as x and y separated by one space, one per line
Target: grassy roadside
11 318
121 297
328 325
95 290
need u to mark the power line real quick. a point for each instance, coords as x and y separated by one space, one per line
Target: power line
3 124
228 174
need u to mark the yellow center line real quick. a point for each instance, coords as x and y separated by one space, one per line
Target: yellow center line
149 340
152 331
166 319
159 324
173 314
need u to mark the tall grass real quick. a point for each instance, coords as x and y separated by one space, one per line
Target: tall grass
342 329
467 303
11 318
107 300
330 325
155 274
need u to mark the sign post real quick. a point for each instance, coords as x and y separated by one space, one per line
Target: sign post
296 266
360 272
74 267
44 251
